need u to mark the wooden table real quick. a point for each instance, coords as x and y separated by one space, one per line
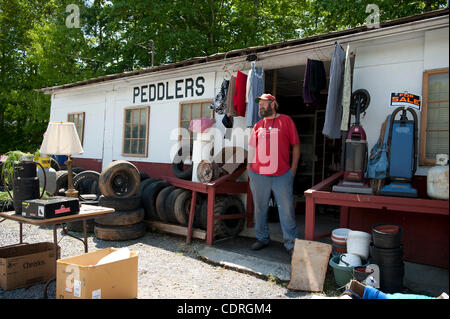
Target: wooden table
86 212
322 194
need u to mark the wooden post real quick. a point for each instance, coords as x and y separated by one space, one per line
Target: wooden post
274 83
210 218
191 217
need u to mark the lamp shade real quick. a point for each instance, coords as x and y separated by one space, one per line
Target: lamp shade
61 138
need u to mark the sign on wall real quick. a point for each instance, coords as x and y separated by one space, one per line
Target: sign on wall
405 99
189 87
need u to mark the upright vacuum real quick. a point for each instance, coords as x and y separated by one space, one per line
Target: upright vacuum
402 154
355 150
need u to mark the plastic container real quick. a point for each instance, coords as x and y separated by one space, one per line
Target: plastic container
340 233
386 257
340 249
387 235
437 178
342 274
349 260
358 243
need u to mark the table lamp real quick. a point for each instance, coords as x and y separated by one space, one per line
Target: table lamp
61 138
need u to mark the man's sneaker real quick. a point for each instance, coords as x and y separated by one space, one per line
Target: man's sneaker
258 245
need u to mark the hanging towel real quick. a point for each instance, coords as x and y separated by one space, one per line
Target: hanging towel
219 102
256 89
314 81
239 93
346 92
333 112
248 85
231 112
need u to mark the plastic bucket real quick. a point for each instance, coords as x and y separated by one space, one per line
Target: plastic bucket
358 243
340 233
342 274
361 273
386 257
341 249
349 260
387 235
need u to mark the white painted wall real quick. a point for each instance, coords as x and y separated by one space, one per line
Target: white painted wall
396 66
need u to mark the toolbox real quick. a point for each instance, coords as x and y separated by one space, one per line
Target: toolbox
51 207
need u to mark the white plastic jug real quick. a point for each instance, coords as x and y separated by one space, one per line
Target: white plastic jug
358 243
437 178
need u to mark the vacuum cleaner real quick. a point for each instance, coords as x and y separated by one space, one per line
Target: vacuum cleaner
355 150
402 154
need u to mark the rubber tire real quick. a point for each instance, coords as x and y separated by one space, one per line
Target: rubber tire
170 201
127 203
222 206
161 203
81 178
115 169
178 163
54 164
149 199
120 233
145 183
143 176
182 207
77 226
77 170
122 218
62 180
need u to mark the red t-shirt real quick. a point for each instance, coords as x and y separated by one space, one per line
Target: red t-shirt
272 139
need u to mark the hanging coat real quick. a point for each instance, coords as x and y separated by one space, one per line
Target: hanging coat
256 89
239 93
333 112
219 102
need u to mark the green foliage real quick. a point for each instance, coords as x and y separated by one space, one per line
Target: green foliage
38 50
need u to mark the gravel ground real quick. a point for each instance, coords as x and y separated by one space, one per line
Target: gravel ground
168 268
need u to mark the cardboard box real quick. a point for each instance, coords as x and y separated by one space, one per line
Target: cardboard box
51 207
79 277
25 265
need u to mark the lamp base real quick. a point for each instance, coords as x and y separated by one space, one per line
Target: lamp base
71 193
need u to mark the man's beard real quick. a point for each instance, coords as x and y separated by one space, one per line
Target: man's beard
265 112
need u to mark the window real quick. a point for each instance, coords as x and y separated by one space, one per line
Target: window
78 120
135 136
434 117
190 111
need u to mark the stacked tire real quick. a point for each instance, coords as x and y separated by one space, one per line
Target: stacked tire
169 204
119 184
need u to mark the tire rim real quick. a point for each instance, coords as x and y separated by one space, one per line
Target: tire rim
120 183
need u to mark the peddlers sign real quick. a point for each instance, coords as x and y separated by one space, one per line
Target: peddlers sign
405 99
170 90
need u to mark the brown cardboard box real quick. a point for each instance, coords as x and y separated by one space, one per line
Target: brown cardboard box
24 265
79 277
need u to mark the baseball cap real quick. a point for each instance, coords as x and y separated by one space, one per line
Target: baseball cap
265 96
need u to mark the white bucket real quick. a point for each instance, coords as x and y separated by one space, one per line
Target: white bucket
358 243
349 260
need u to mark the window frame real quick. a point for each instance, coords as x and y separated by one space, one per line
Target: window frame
82 124
424 161
180 113
146 132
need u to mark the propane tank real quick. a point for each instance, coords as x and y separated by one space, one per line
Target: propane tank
437 178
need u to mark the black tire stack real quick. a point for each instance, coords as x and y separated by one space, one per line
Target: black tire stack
169 204
119 184
387 252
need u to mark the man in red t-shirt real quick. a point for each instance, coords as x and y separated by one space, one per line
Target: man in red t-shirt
270 170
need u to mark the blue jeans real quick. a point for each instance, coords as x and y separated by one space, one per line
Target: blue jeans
282 188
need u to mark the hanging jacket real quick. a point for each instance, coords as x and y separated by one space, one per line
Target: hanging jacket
219 103
256 89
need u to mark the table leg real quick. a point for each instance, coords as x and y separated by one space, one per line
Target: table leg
191 217
210 218
344 216
310 218
21 233
85 235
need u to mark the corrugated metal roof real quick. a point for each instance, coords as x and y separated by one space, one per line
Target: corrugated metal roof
249 50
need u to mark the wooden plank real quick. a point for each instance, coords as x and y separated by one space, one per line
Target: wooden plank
309 265
177 229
